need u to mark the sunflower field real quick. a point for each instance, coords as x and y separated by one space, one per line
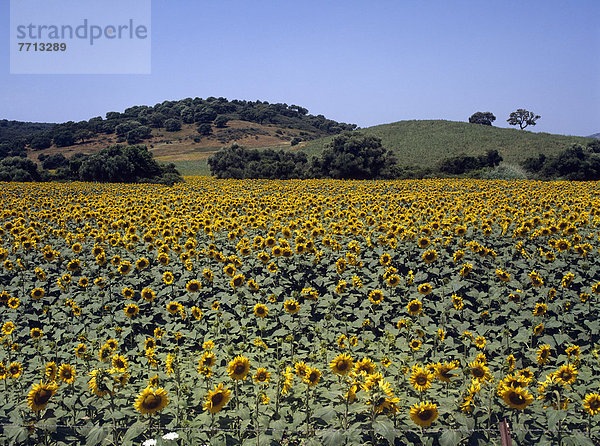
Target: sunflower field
300 312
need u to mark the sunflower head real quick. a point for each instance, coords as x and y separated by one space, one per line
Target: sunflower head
217 398
238 368
423 414
342 364
40 395
291 306
151 401
516 397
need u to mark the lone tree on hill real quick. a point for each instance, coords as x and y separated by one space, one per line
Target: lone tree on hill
483 118
522 118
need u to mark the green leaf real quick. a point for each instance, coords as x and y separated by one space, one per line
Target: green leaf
16 434
96 435
450 438
333 438
385 428
133 432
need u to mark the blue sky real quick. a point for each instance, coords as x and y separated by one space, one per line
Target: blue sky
363 62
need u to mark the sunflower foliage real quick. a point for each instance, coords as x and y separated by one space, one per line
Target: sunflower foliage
311 312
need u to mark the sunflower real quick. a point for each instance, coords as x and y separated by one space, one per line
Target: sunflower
421 378
502 275
51 371
148 294
120 363
142 263
215 305
425 289
376 297
430 256
414 345
37 293
80 350
538 329
423 414
217 398
83 282
516 397
272 267
173 307
457 301
112 344
207 359
423 242
128 293
393 280
342 364
14 303
540 309
124 268
104 353
262 376
168 278
261 311
535 279
465 270
385 259
479 342
229 270
573 352
238 368
414 307
543 354
443 371
480 371
364 365
40 394
67 373
291 306
237 281
566 374
193 286
591 403
151 400
131 310
96 383
312 376
36 333
14 369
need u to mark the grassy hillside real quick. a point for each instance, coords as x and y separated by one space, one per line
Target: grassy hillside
424 143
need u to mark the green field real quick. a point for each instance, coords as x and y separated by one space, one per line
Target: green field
424 143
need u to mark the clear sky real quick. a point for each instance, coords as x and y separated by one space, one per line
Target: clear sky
363 62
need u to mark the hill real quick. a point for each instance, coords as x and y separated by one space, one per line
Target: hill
187 130
11 130
595 136
425 143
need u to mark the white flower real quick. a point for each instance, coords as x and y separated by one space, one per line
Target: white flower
149 442
171 436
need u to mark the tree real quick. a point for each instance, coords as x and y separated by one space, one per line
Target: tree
172 125
483 118
221 121
64 138
40 141
522 118
353 155
204 129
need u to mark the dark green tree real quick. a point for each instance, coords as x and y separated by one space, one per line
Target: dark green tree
483 118
522 118
172 125
205 129
353 155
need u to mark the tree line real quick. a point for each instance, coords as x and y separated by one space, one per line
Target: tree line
135 124
114 164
